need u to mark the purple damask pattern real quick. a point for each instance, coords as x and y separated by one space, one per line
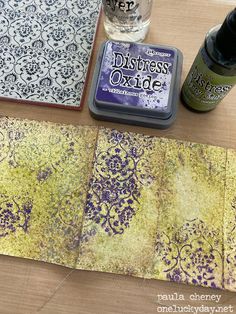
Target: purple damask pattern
188 256
14 215
120 171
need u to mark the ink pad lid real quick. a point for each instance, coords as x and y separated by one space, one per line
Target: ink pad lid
136 84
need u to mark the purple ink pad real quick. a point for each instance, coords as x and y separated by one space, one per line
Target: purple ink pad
136 84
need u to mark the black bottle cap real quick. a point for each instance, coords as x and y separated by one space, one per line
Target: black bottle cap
226 36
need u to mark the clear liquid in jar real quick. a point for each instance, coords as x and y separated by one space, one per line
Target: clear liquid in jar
127 20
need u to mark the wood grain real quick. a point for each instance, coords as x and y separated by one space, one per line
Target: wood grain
34 287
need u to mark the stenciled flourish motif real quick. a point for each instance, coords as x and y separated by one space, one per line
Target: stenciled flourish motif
120 172
10 138
44 173
14 214
188 255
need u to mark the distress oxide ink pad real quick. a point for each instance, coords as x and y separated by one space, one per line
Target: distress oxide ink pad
136 83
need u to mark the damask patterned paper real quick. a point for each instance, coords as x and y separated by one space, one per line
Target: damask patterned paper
230 223
44 171
120 223
118 202
189 246
45 47
155 209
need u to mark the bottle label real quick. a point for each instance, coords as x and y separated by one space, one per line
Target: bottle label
203 89
123 11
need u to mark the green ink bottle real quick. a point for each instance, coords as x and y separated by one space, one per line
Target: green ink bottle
213 73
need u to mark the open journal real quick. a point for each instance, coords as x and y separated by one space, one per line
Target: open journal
101 200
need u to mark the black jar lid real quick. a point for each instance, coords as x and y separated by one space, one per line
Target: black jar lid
226 36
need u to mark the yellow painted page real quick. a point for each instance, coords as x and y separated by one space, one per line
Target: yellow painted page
118 202
155 209
119 230
189 246
230 223
44 171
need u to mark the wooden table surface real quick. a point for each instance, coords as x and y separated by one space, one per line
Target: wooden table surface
34 287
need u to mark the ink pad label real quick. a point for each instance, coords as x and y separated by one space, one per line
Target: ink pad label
136 76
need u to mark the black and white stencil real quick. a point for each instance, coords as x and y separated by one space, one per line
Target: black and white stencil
45 47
